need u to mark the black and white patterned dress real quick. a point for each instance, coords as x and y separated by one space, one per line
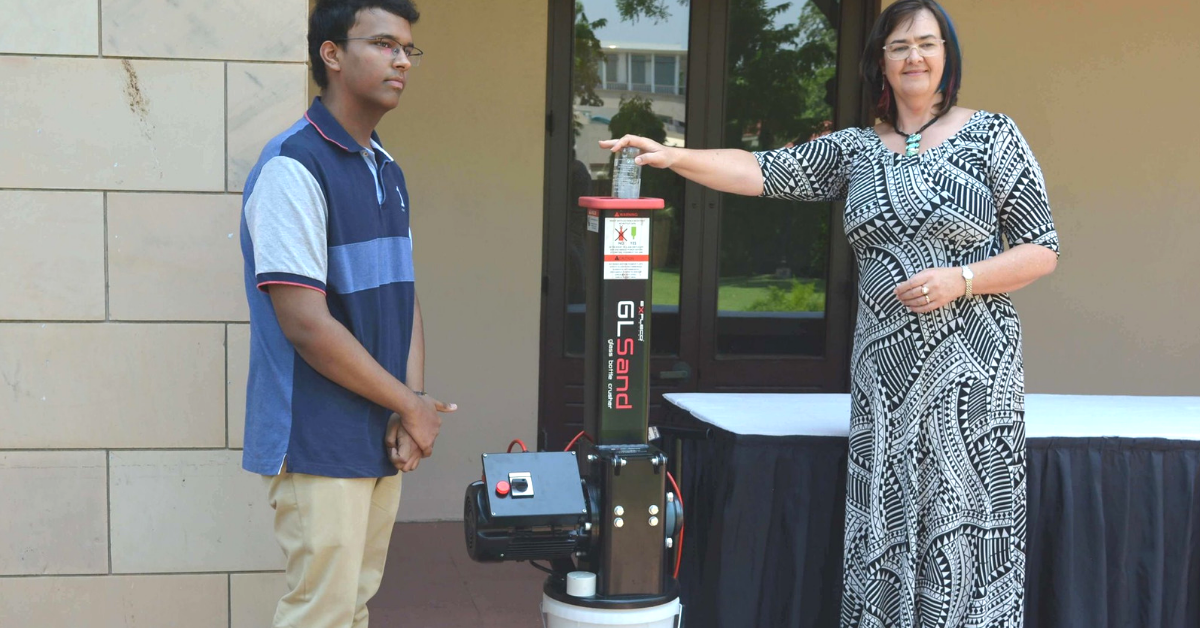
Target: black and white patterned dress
935 507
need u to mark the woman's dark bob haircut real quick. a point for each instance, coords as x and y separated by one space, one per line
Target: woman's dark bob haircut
895 16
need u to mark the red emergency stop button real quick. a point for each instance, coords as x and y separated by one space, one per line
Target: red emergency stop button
502 488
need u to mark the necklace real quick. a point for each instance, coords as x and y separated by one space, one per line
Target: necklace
912 143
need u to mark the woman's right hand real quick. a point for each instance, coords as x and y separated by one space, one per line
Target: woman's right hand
723 169
653 153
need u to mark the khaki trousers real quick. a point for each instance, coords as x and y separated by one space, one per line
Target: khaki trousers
335 534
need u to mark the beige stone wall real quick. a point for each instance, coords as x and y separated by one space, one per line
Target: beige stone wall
1104 92
128 129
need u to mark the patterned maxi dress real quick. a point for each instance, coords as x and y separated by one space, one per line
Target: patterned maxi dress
935 504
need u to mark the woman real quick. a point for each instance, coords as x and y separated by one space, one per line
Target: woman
935 510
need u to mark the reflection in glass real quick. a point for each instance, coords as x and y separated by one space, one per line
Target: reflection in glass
639 72
629 76
664 74
780 89
611 65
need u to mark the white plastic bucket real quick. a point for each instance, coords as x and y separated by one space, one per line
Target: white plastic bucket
560 615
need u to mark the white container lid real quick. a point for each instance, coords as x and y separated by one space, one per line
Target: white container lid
581 584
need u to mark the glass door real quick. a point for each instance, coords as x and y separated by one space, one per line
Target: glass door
628 72
775 306
749 294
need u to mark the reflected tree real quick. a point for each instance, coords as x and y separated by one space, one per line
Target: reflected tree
654 10
589 60
781 89
781 77
636 116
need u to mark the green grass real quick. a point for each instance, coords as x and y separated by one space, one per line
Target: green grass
666 287
744 294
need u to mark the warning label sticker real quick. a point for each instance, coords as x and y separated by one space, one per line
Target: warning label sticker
626 248
593 220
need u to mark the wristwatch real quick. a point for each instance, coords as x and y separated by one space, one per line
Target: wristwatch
967 277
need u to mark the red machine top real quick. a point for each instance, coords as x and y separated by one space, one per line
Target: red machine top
609 202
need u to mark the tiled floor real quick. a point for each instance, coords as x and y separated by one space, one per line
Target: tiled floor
430 582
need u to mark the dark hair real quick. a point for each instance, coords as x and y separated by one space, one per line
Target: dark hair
872 63
333 19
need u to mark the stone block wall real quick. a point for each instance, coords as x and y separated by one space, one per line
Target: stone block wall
127 129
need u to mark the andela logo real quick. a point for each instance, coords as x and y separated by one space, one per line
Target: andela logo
401 196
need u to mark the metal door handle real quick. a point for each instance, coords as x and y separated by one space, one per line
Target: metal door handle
680 370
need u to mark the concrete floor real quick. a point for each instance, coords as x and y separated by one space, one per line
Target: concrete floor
430 582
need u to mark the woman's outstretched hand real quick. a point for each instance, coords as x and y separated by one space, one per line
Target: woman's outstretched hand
724 169
653 153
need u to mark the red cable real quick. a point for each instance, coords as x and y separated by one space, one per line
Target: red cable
679 550
573 440
517 441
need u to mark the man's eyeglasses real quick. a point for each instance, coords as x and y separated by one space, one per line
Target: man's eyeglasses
411 52
900 52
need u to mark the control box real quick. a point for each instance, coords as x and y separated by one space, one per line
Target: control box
534 489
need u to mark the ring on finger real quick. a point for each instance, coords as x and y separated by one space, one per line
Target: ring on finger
924 289
927 299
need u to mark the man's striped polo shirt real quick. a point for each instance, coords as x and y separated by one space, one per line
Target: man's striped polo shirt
322 212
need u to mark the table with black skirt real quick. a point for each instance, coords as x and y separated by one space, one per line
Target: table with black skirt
1113 510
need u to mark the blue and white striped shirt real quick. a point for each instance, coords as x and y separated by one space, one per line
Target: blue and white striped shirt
322 212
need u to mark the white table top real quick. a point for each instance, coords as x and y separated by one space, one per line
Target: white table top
1076 416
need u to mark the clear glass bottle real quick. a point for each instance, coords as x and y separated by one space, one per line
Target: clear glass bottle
627 175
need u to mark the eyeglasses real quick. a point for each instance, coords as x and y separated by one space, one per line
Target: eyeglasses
900 52
411 52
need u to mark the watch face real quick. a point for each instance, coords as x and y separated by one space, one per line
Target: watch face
968 273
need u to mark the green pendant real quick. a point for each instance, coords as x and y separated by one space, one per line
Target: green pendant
912 145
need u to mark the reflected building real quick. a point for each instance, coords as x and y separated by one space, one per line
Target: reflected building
657 72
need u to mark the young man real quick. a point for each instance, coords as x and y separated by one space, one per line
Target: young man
335 399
